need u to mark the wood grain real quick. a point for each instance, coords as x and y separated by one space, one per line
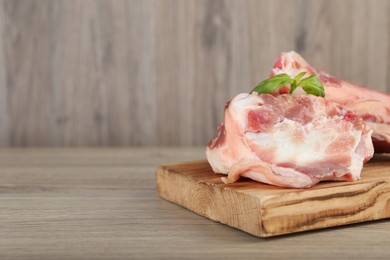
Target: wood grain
102 204
263 210
147 72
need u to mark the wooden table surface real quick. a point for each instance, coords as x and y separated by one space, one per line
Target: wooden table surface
102 204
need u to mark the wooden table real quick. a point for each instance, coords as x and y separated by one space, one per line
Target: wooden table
102 204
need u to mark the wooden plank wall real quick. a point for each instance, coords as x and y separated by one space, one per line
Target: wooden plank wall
158 72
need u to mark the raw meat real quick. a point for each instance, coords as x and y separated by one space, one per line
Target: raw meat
372 106
289 141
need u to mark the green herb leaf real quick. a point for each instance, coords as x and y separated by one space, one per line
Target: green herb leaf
296 82
312 85
299 76
273 83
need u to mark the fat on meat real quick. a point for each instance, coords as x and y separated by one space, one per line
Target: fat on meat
289 141
372 106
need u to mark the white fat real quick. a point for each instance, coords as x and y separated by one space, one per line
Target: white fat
240 106
287 149
358 157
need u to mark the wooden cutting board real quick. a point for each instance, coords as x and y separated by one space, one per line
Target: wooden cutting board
264 210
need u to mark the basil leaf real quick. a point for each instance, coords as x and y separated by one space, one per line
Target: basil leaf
299 76
312 85
296 82
273 83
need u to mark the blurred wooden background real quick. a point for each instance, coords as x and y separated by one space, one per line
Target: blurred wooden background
158 72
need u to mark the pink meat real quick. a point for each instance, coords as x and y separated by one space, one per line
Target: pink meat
289 141
372 106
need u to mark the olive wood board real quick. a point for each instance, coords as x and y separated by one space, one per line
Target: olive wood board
265 210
